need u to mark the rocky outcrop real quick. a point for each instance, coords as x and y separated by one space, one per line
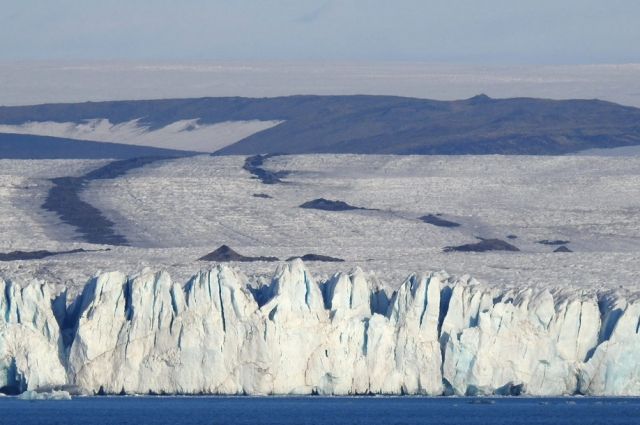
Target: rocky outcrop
329 205
483 246
226 254
437 220
434 335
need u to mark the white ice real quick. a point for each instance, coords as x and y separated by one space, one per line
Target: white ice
434 335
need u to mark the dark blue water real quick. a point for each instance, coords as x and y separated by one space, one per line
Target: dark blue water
319 410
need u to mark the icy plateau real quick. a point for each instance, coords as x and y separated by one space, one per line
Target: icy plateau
219 335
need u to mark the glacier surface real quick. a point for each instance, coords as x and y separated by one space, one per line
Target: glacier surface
218 334
176 211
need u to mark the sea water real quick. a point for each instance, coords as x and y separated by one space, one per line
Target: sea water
320 410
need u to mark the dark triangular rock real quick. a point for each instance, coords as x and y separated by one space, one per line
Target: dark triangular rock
562 249
226 254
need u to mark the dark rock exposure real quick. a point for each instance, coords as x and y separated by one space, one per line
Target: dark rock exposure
438 221
37 255
64 200
253 164
27 146
562 249
483 246
553 242
328 205
226 254
317 257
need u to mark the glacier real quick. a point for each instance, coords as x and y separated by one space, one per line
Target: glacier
219 334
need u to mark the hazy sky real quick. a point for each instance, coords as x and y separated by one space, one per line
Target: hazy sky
464 31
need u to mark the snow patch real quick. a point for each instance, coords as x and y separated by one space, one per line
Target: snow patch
187 135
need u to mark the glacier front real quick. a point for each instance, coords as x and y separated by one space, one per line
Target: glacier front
219 334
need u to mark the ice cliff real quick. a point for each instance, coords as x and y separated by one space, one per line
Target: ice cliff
218 335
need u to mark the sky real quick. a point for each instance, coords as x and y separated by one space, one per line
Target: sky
435 31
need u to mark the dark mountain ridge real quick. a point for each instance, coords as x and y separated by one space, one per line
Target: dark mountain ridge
28 146
377 124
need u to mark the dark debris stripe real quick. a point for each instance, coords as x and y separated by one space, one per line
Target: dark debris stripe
64 200
253 165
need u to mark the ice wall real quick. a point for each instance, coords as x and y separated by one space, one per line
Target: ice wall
435 335
31 349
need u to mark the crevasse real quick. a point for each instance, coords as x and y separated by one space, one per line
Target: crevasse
434 335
